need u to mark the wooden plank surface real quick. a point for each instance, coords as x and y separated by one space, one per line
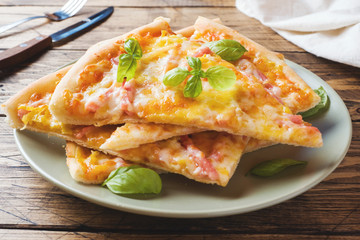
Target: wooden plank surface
65 235
125 3
32 208
124 20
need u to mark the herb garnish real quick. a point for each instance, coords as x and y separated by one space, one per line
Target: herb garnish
321 106
272 167
133 180
227 49
128 61
219 77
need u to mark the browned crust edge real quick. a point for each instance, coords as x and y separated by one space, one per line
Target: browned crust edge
42 85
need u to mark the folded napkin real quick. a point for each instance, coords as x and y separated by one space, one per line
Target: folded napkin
326 28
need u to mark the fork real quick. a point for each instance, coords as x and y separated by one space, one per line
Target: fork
68 10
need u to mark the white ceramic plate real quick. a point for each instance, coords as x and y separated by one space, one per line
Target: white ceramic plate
185 198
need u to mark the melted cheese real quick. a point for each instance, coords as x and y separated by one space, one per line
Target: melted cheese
90 167
248 108
195 162
40 117
258 61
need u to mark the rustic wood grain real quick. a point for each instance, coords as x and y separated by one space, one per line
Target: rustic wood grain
126 3
32 208
67 235
126 19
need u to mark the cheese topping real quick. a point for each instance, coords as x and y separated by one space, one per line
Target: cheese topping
91 167
207 156
269 67
252 107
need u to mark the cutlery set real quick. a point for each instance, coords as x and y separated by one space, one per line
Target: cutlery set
24 51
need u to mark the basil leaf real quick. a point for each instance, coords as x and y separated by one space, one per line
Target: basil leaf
321 106
220 77
132 47
272 167
193 87
200 73
229 50
118 171
194 63
126 68
175 76
133 180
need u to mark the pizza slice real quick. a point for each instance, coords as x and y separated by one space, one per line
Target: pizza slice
91 94
259 63
208 157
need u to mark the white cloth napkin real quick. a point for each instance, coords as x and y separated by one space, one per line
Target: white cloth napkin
326 28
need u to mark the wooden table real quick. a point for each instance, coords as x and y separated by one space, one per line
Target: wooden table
32 208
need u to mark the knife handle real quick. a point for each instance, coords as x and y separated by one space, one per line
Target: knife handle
23 51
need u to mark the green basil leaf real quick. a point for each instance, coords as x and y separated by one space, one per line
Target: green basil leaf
194 63
118 171
322 106
220 77
132 47
229 50
200 73
193 87
272 167
133 180
175 76
126 68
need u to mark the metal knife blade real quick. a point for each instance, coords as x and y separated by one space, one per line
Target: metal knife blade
82 25
24 51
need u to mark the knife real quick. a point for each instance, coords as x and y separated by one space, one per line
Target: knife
23 51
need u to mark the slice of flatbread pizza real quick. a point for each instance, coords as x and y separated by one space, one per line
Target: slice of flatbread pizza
259 63
208 157
91 94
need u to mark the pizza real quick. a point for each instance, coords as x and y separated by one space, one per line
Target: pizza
143 121
90 93
206 156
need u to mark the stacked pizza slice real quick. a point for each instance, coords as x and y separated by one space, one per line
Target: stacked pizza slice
190 102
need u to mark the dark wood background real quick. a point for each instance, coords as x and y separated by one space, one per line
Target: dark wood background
32 208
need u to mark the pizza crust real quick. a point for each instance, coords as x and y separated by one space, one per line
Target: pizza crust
43 85
189 31
134 135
